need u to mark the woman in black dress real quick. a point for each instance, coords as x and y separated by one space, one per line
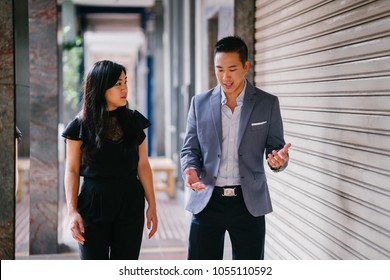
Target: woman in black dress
106 146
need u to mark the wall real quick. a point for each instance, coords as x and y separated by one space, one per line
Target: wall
178 70
219 13
7 138
244 27
329 64
43 126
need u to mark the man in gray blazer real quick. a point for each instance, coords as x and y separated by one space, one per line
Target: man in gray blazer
229 128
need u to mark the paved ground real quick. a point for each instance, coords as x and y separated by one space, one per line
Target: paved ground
169 243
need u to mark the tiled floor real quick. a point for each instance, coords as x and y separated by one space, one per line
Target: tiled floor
169 243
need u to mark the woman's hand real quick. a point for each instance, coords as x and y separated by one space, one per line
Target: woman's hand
151 220
77 227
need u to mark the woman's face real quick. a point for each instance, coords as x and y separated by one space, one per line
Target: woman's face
117 95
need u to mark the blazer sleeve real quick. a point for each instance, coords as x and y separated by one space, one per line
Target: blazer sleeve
190 155
275 139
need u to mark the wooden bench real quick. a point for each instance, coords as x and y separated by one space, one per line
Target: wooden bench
163 174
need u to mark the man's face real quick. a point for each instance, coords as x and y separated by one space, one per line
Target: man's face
230 72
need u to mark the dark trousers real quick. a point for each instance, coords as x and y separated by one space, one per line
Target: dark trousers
222 213
113 214
116 241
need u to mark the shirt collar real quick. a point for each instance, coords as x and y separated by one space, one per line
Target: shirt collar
239 99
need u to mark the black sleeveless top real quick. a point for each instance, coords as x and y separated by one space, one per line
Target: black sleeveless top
111 162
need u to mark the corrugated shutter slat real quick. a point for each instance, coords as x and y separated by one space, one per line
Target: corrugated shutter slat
329 64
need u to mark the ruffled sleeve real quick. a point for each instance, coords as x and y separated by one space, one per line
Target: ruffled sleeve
141 120
73 130
142 123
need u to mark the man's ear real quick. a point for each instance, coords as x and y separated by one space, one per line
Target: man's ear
246 65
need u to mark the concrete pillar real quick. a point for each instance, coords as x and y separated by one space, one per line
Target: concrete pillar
157 48
244 26
43 127
7 138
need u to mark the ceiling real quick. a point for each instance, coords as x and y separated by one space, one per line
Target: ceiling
118 37
115 3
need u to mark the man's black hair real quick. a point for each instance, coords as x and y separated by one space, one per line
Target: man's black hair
232 44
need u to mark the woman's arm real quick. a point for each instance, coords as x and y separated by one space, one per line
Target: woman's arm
146 177
72 181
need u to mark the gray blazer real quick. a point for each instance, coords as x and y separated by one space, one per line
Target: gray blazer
260 130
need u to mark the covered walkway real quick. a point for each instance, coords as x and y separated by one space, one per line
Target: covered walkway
169 243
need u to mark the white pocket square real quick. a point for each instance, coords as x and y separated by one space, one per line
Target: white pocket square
258 123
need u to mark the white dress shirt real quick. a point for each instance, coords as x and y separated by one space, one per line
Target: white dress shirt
228 173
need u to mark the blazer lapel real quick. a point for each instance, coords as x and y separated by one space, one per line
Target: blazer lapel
215 107
247 107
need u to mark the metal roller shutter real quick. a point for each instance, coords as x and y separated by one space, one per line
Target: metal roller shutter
329 64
